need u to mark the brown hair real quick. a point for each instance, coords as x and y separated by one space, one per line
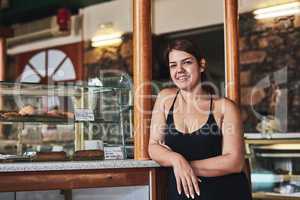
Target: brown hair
182 45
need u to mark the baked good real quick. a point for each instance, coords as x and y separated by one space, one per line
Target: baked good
27 110
89 155
68 114
10 114
50 156
57 113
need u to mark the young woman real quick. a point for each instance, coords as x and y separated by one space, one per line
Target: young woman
197 134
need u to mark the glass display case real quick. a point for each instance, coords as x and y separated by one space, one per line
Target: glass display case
275 167
62 118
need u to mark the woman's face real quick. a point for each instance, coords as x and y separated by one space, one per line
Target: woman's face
184 69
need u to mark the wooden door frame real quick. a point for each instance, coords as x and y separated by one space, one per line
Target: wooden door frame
142 67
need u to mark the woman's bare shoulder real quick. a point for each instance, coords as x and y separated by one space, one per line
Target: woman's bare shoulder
165 97
224 104
166 94
168 91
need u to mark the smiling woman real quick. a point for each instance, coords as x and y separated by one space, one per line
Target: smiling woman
183 61
197 134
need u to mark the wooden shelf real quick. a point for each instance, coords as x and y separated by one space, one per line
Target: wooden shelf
272 141
273 196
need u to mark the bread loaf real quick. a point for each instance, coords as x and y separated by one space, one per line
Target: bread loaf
89 155
50 156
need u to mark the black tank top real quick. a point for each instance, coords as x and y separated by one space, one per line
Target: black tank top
206 142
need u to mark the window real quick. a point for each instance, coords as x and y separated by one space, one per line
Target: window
53 65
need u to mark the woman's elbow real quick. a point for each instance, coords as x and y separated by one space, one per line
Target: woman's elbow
150 150
238 165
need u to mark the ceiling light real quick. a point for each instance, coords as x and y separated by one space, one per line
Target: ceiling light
106 35
278 11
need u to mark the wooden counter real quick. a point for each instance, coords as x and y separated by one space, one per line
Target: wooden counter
82 174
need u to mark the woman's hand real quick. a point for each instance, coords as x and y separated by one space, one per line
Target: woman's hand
185 176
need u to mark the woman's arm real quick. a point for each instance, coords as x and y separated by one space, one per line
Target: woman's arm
158 152
232 158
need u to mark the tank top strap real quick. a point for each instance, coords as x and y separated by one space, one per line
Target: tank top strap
172 106
210 104
170 113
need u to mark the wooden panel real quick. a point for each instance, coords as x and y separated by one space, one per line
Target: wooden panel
2 58
6 32
2 73
142 76
153 184
49 180
161 183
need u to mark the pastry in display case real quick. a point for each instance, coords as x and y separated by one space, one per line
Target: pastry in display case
62 121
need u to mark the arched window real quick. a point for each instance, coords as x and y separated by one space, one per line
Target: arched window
48 66
57 64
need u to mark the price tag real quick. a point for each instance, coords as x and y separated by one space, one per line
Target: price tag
113 153
84 115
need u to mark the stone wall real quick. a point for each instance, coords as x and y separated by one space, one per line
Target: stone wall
270 69
109 64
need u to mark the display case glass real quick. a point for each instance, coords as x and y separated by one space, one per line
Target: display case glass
268 66
68 118
275 167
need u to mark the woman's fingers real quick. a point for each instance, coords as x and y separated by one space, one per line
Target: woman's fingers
178 183
190 187
186 179
185 187
196 184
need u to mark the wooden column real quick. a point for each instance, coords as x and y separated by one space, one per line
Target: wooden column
232 84
232 50
4 33
2 75
142 76
2 58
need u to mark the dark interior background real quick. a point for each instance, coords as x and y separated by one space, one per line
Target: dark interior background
18 11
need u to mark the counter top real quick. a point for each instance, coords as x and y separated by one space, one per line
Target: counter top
75 165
